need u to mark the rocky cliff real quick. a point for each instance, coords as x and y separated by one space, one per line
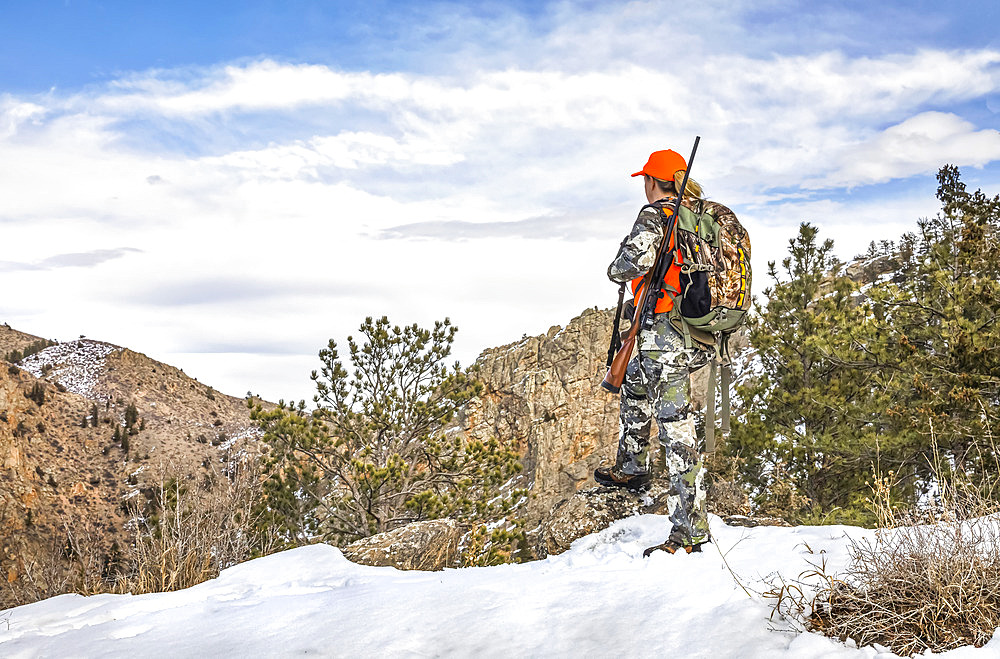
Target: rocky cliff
544 393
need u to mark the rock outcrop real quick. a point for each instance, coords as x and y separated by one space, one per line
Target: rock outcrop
543 394
427 545
595 509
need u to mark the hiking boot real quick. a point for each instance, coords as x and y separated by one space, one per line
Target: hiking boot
611 477
675 544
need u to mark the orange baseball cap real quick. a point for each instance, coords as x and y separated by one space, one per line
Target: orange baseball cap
663 164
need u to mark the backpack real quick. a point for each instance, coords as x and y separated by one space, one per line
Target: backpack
714 295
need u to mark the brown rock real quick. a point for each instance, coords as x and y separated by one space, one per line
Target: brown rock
595 509
427 545
752 521
543 395
13 459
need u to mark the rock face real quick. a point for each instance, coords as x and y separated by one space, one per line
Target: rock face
428 545
594 509
543 393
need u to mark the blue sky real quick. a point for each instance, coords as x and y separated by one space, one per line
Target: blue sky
226 185
70 43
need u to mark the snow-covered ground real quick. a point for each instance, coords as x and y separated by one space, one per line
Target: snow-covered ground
600 599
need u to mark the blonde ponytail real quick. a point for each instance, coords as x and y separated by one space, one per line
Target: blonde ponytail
692 190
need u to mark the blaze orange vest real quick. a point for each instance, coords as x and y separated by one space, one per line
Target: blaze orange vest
671 283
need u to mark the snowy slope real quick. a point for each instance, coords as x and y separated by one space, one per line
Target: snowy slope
600 599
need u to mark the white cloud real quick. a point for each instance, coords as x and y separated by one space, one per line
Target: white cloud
14 113
921 143
289 178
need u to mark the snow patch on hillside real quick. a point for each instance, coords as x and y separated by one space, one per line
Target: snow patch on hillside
76 365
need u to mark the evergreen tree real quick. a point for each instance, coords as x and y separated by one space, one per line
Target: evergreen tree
902 378
131 416
937 339
374 454
810 426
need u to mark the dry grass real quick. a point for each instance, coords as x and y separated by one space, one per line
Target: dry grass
193 535
187 536
929 580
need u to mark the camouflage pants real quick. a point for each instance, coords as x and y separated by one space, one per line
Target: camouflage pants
657 386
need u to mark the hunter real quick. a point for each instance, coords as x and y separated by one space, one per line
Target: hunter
657 381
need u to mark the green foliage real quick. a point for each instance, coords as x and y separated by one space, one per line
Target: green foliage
375 453
131 415
900 377
936 340
37 394
810 441
35 346
486 546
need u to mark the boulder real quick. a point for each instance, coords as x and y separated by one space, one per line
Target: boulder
426 545
594 509
755 520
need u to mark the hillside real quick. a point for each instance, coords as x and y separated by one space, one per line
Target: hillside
66 484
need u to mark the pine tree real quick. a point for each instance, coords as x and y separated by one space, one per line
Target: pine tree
131 416
374 454
938 336
810 426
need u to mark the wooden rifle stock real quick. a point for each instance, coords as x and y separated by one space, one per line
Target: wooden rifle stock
643 305
616 373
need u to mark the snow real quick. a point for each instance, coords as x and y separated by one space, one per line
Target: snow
76 365
601 598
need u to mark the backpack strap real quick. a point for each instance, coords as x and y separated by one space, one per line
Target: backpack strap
725 359
710 409
726 380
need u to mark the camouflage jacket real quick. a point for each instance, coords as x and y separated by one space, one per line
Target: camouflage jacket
637 251
634 259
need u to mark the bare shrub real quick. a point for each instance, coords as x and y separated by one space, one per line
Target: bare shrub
929 580
72 564
725 494
191 536
184 537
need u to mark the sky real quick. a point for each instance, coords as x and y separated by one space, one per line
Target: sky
226 186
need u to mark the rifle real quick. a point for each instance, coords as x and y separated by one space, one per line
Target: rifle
645 303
